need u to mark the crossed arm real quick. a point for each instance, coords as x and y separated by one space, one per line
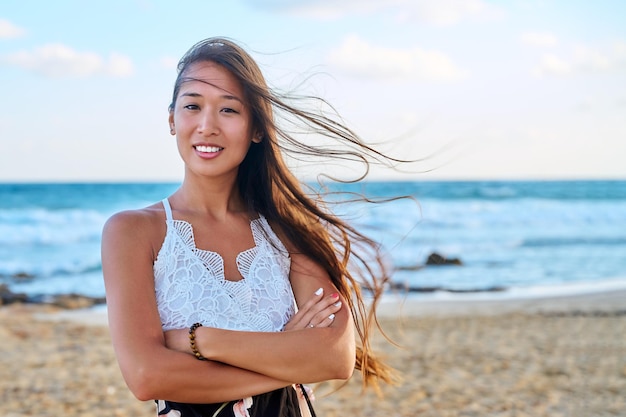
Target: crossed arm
157 365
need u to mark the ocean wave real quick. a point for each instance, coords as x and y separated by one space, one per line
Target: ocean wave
520 292
49 227
574 241
567 288
24 272
496 190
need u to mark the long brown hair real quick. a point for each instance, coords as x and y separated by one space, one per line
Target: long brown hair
268 187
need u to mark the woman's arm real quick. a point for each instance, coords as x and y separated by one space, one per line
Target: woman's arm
152 371
301 355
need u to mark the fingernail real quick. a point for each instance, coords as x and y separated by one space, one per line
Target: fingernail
319 291
331 317
337 304
334 295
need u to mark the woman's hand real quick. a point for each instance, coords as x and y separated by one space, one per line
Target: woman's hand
318 311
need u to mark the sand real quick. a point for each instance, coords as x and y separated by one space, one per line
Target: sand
560 356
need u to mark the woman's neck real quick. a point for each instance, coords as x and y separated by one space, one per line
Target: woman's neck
215 198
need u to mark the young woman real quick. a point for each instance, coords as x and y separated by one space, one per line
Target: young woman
226 296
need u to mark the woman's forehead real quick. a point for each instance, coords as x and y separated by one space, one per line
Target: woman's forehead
211 74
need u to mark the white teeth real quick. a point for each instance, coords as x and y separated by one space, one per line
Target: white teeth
208 149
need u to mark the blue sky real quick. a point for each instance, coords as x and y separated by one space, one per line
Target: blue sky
485 89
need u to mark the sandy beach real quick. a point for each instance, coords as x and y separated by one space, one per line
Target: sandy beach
559 356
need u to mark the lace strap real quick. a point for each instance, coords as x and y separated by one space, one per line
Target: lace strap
168 209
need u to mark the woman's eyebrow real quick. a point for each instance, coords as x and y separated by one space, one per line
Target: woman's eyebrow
231 97
191 94
223 96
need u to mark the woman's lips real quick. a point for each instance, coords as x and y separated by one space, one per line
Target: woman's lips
208 151
208 148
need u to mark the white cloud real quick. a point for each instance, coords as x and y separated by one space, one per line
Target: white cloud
584 60
590 60
119 66
168 62
540 39
552 65
56 60
9 31
439 13
357 57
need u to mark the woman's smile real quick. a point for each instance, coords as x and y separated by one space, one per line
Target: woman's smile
208 151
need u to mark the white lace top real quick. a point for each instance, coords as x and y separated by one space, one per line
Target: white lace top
191 287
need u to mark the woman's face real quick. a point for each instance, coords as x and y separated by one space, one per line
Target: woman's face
211 121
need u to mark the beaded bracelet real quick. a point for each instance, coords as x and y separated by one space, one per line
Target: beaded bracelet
192 341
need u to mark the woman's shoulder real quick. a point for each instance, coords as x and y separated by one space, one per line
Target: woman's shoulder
144 222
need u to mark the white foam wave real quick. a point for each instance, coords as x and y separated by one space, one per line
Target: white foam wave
49 227
527 292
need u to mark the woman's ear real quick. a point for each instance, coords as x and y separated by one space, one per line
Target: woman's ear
171 122
257 138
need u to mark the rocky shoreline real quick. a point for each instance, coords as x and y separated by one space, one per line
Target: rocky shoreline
66 301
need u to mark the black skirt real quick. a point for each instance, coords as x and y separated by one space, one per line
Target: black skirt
280 403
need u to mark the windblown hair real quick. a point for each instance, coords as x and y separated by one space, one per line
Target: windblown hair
268 187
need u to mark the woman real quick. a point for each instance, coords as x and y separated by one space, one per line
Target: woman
238 268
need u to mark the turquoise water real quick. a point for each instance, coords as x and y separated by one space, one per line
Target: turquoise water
512 235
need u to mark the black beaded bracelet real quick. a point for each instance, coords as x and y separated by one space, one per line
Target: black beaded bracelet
192 341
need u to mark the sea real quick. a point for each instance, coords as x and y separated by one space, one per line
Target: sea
511 238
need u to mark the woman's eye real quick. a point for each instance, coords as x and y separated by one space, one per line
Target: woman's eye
191 107
229 110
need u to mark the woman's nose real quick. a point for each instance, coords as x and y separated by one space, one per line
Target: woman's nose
208 125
